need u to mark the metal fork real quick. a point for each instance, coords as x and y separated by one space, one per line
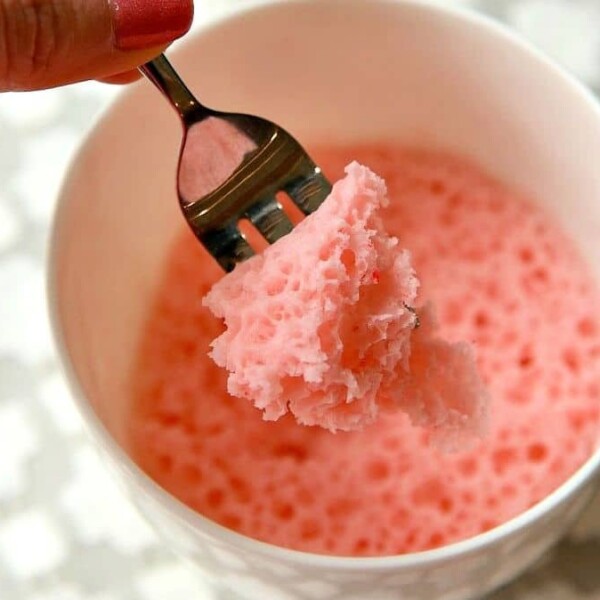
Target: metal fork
273 162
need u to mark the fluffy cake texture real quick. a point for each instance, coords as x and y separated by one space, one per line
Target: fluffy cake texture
501 274
321 324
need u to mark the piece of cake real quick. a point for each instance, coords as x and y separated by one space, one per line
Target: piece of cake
322 324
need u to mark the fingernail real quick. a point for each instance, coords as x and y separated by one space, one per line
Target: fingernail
141 24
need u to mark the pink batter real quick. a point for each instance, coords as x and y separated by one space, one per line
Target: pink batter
321 324
500 273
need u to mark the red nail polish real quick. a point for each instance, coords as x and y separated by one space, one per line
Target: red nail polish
144 23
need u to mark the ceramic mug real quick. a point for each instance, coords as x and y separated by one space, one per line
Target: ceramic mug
328 70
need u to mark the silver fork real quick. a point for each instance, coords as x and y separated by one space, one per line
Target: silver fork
272 161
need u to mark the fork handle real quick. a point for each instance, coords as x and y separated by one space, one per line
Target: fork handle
162 74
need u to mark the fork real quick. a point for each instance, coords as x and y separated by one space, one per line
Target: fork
258 159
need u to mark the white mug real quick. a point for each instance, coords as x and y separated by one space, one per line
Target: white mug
334 70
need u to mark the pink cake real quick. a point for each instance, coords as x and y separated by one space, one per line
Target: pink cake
321 325
501 274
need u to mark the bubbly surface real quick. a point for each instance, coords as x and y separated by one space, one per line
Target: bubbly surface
321 324
500 273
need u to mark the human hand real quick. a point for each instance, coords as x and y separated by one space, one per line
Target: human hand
47 43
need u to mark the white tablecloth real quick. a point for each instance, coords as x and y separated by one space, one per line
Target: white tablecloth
66 533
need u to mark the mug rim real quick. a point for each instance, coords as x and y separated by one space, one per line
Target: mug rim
175 507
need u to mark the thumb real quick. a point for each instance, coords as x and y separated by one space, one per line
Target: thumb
46 43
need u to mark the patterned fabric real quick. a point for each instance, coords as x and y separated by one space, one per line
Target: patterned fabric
66 532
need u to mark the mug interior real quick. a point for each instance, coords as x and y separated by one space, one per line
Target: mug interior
330 72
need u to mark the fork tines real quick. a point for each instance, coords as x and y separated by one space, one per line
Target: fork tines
307 187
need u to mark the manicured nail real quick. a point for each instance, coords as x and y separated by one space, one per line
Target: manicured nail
141 24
